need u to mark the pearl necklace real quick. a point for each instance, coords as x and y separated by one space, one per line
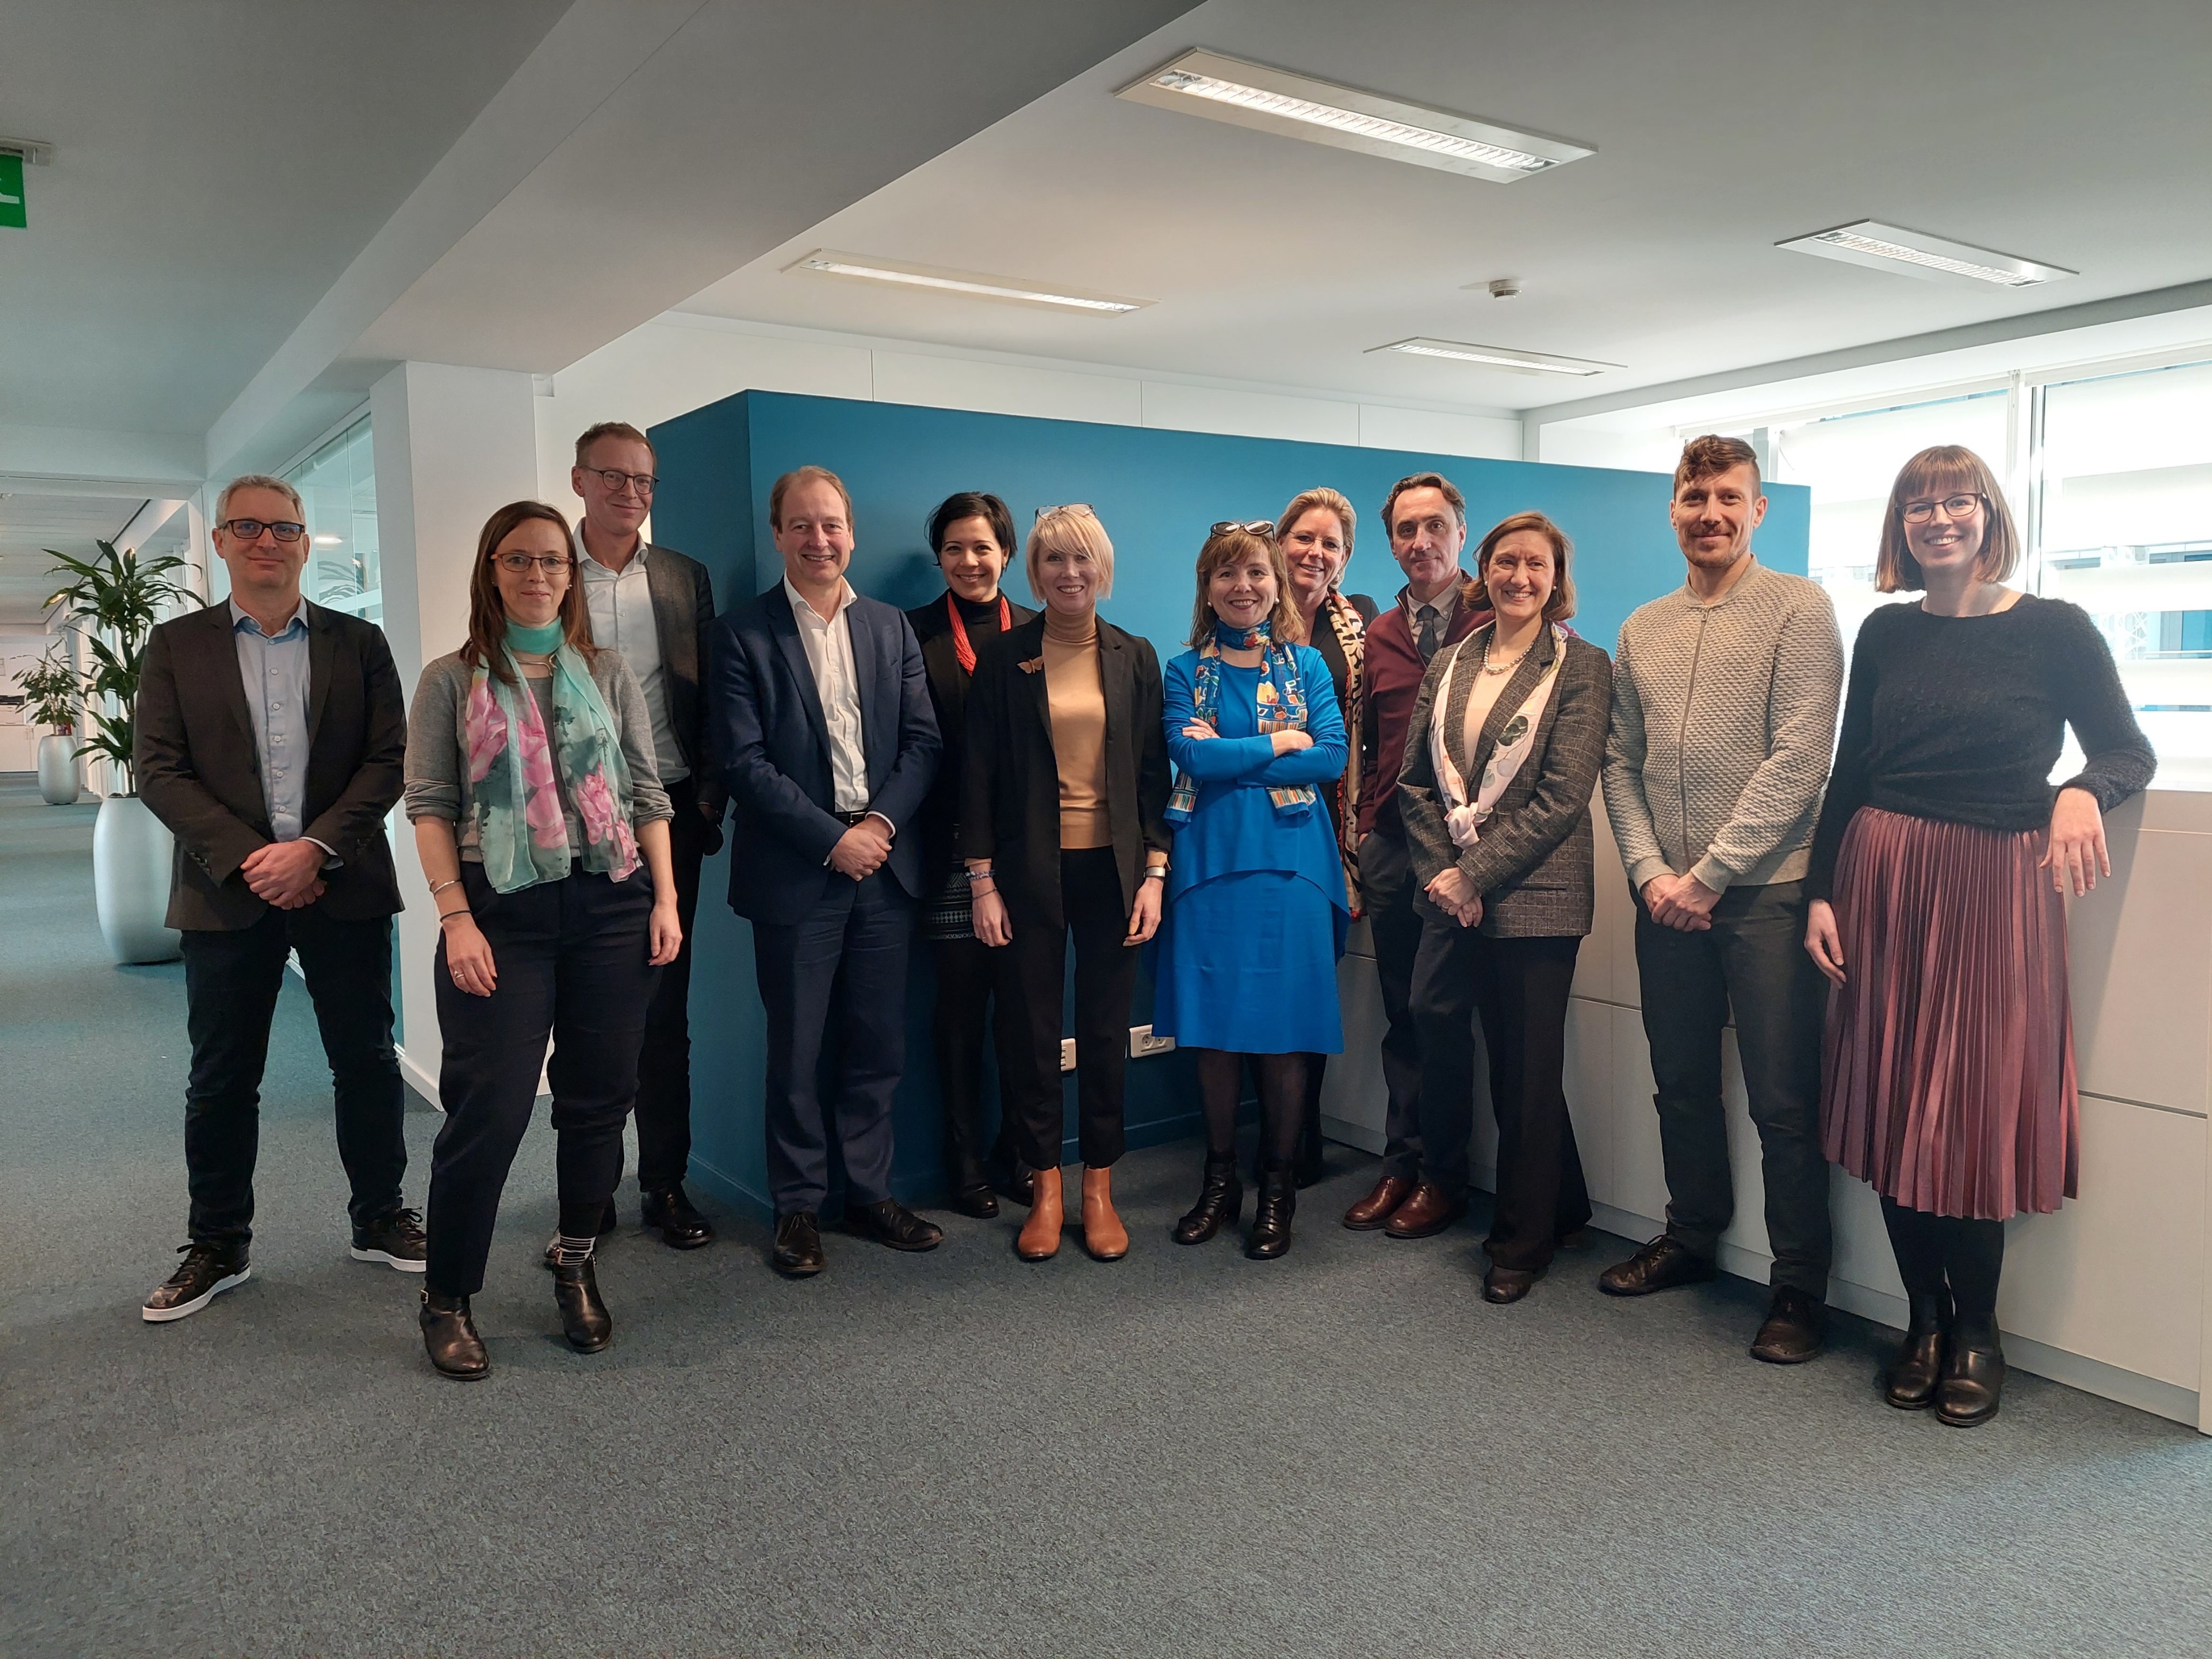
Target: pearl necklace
1503 667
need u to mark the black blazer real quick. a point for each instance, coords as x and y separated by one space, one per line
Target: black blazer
682 616
1009 787
773 744
199 770
948 697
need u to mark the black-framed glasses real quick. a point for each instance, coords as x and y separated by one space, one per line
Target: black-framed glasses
1955 508
614 477
249 530
518 564
1250 526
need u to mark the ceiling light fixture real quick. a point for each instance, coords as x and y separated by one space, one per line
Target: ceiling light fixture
1932 259
1010 290
1298 106
1525 362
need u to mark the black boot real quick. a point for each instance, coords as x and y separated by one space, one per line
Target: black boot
450 1335
1974 1378
1220 1201
1973 1363
583 1318
1271 1217
1909 1383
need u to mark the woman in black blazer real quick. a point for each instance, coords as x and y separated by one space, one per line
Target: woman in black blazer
1062 823
972 536
1501 756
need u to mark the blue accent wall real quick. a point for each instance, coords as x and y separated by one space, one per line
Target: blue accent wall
1157 491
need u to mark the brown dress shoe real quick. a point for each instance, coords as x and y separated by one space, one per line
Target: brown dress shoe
1040 1234
1103 1235
1427 1212
1372 1211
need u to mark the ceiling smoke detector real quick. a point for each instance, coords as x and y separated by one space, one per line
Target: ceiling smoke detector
1504 287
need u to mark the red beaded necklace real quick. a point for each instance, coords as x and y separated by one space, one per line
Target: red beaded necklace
961 646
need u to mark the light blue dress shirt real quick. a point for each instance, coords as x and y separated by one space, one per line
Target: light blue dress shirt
274 668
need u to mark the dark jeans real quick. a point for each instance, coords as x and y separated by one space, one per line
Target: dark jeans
1751 960
842 969
664 1065
575 962
231 983
1386 880
1519 987
968 973
1097 918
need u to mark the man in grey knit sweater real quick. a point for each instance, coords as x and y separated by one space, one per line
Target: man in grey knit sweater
1724 719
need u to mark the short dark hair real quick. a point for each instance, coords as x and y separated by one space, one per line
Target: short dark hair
804 475
972 504
613 430
1425 481
1712 455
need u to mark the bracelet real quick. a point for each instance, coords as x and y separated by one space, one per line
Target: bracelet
1160 874
983 874
445 916
975 892
438 887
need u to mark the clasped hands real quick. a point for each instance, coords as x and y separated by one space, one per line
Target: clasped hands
1452 893
285 874
1682 903
861 850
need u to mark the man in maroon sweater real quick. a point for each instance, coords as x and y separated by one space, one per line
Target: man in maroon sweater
1426 519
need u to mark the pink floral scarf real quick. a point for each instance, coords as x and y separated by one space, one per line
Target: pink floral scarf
517 776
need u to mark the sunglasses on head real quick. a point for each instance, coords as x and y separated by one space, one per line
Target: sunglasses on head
1251 526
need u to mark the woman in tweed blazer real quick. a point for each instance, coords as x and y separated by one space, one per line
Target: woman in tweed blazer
1496 791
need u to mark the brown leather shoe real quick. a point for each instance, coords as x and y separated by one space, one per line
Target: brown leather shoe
1040 1234
1103 1235
1428 1212
1382 1201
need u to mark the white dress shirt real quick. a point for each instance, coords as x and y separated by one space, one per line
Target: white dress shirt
829 654
621 607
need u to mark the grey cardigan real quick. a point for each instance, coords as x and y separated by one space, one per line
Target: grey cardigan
438 747
1533 863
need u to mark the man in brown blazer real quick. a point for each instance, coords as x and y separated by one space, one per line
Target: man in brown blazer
271 735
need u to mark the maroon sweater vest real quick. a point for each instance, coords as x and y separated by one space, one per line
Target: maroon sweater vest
1391 684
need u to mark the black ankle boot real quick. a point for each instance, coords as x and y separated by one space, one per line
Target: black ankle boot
1909 1383
450 1335
1220 1201
1974 1378
583 1318
1271 1217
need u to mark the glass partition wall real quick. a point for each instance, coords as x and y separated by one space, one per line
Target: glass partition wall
337 486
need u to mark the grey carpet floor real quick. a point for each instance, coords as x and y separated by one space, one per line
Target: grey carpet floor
1345 1452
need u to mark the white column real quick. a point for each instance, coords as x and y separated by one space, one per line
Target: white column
452 445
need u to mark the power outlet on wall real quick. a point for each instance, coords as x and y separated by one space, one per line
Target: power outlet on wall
1143 1043
1067 1054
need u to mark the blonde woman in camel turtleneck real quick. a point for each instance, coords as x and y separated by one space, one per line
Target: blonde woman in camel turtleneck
1062 826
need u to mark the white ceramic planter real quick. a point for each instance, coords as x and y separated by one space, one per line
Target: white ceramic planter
58 773
131 850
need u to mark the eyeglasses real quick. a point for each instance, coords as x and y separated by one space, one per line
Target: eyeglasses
1068 507
249 530
1250 526
553 564
615 478
1955 506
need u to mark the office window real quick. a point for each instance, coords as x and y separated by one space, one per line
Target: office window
337 486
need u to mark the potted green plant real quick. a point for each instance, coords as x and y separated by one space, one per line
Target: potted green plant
115 600
51 691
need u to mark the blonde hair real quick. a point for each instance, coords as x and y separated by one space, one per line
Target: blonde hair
1561 604
256 481
1285 625
791 481
1069 530
1329 500
1945 469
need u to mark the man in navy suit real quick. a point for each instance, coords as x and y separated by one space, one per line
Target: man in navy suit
823 725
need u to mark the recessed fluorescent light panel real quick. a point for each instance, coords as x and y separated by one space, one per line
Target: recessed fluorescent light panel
1006 289
1910 253
1525 362
1275 101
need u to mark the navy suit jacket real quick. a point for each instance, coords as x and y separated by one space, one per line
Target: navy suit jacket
773 746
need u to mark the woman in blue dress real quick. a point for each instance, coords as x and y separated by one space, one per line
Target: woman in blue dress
1255 910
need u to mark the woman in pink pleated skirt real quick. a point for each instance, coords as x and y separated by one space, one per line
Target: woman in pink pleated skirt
1941 868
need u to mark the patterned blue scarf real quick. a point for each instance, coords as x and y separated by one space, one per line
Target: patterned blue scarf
1282 708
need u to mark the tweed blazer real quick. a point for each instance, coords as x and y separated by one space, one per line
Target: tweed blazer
1532 862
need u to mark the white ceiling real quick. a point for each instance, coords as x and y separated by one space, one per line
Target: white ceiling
31 523
2077 136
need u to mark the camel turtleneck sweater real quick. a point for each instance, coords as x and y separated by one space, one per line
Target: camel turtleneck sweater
1076 697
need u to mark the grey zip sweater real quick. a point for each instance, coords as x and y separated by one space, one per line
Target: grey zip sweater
1723 719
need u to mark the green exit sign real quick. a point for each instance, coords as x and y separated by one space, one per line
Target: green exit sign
11 192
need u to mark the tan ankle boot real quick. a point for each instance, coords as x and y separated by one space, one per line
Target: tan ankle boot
1103 1235
1039 1239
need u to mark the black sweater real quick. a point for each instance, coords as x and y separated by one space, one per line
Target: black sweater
948 694
1961 718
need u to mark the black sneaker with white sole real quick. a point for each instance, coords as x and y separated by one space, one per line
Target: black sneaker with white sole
206 1272
395 1240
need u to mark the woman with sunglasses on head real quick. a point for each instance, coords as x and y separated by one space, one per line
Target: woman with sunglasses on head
1939 869
972 536
1256 907
543 830
1316 531
1061 797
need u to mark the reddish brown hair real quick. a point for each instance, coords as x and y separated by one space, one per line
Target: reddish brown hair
1945 469
488 611
1561 604
1285 625
1712 455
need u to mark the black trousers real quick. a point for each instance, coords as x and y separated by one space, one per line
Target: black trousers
970 973
841 970
231 983
573 962
1105 980
664 1065
1386 879
1752 962
1519 987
